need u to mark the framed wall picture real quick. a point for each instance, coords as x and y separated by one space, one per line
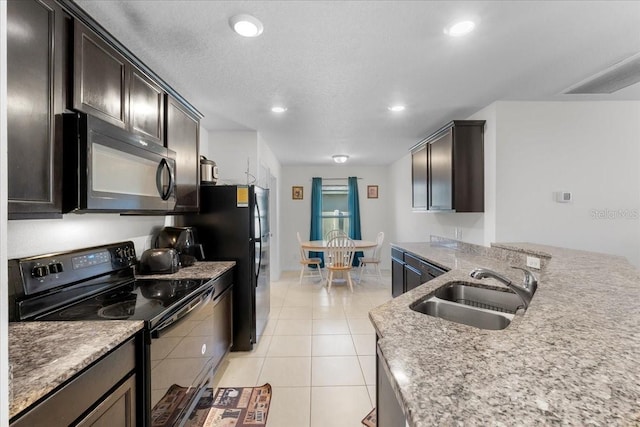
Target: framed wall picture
372 191
297 192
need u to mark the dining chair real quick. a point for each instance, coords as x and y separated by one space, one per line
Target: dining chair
374 259
334 233
340 252
306 261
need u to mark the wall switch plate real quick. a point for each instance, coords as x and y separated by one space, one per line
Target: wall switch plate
563 196
533 262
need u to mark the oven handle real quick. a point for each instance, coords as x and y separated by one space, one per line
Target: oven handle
205 298
188 408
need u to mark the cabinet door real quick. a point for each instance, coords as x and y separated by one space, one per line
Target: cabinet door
35 76
397 278
182 137
441 173
419 177
413 278
116 409
101 78
146 107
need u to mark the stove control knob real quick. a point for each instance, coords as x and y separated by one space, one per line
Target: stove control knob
56 268
128 251
40 271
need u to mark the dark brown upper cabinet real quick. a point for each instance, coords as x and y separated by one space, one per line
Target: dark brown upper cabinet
146 107
183 131
101 78
419 177
454 158
36 73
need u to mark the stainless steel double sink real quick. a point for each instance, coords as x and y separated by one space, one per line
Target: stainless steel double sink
471 304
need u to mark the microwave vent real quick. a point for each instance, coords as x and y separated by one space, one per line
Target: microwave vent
623 74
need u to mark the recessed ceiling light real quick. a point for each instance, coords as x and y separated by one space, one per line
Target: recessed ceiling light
397 108
460 28
278 109
340 158
246 25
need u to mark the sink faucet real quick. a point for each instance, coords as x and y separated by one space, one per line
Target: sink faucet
524 291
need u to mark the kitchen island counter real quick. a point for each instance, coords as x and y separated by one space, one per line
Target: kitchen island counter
572 358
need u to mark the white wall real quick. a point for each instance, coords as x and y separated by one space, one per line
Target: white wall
296 214
74 231
589 148
203 146
231 151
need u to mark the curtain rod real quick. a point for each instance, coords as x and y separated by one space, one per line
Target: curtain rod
335 179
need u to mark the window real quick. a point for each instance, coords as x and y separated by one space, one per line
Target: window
335 208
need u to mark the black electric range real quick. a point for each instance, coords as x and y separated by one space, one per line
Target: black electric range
98 284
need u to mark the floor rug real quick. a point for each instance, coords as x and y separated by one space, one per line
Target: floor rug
371 420
228 407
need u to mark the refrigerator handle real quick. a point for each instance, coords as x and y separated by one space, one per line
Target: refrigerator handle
259 239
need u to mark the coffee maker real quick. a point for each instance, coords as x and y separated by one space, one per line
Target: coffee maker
183 240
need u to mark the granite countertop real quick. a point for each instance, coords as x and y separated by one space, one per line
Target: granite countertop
44 355
199 270
571 359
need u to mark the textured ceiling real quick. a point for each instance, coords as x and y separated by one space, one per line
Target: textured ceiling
338 65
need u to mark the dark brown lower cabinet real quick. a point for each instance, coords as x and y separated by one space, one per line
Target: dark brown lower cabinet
412 278
408 272
397 277
104 394
116 409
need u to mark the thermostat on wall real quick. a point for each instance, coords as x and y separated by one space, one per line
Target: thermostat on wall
563 196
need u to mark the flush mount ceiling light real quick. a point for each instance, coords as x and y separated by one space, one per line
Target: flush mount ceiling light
397 108
460 28
278 109
246 25
340 158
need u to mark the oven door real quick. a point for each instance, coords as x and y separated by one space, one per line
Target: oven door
182 360
108 169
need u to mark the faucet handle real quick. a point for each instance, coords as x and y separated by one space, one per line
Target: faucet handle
530 281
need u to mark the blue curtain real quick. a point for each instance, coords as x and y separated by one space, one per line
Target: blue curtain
316 217
354 215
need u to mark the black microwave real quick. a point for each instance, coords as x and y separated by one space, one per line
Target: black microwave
107 169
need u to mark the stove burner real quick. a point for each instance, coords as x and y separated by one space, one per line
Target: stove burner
124 309
119 310
81 311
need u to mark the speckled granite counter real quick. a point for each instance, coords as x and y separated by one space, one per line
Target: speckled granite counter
571 359
46 354
199 270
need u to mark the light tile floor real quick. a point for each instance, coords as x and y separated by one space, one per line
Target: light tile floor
317 352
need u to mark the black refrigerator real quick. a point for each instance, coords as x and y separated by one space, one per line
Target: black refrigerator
233 225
